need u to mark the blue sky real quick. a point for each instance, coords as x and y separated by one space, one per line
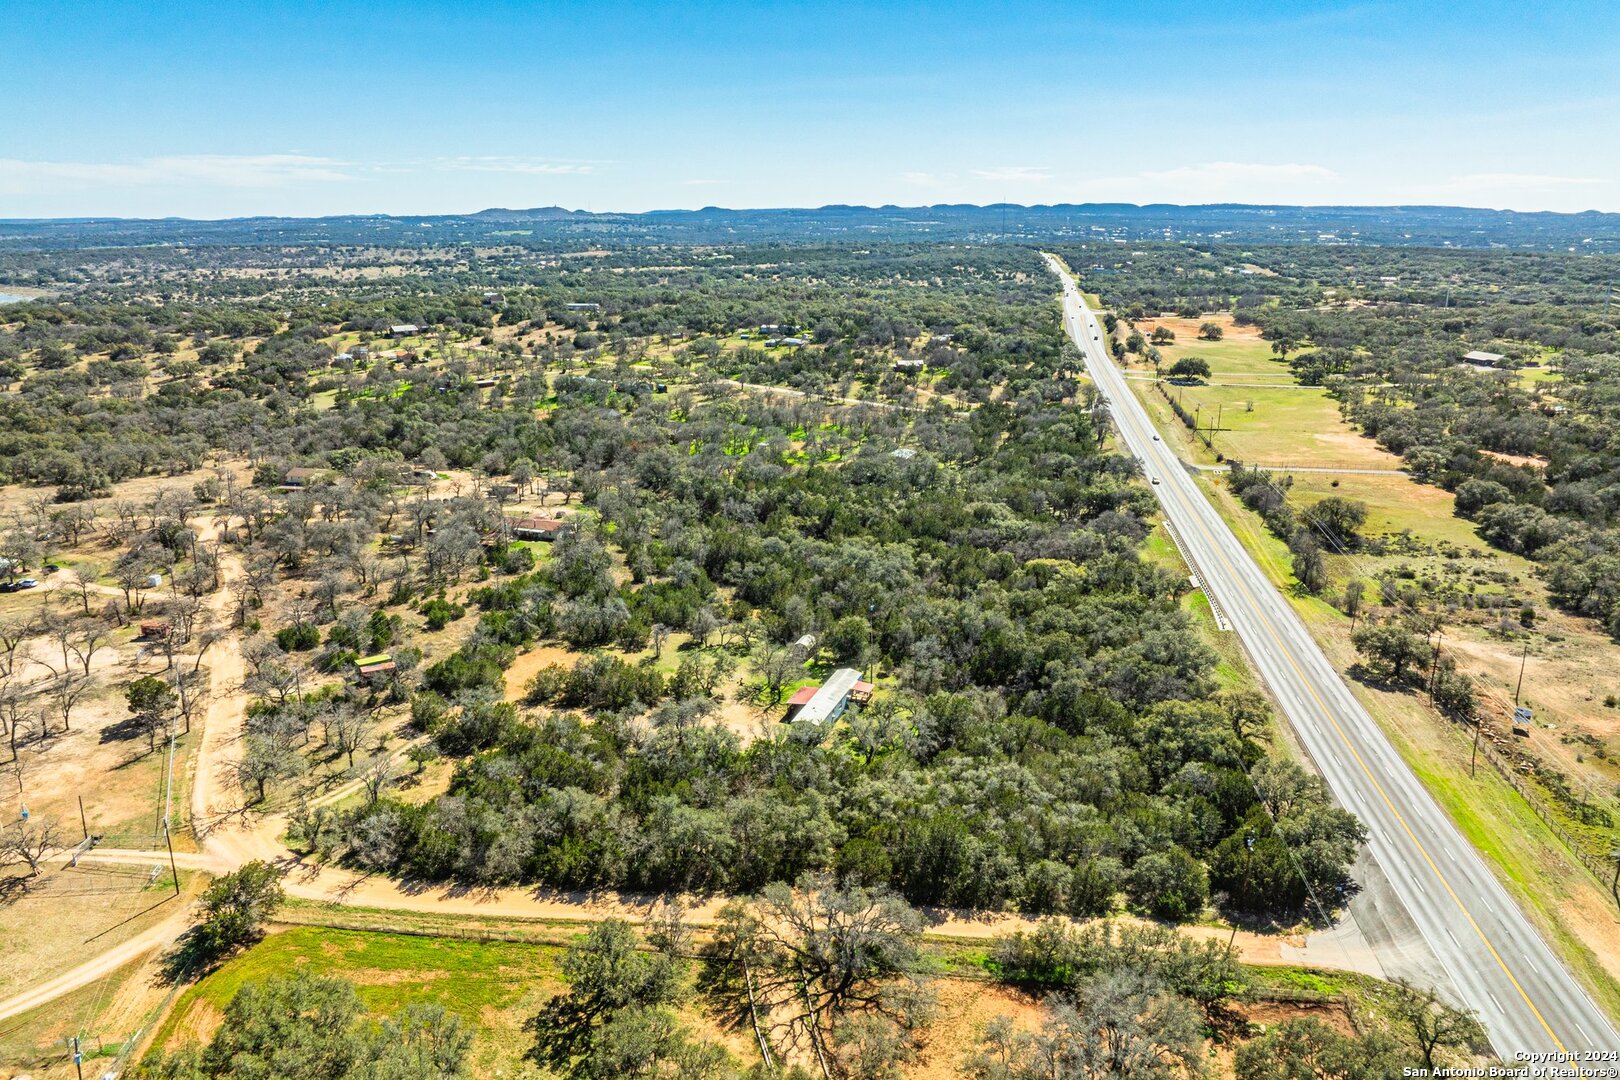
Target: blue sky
229 108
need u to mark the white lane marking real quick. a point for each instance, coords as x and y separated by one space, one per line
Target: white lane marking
1532 964
1498 1004
1421 889
1316 657
1450 935
1582 1030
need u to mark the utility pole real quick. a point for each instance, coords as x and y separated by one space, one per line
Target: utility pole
1520 684
83 823
1479 725
1434 662
172 869
1248 862
78 1058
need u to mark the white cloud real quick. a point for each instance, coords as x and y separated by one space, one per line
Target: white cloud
512 165
922 179
19 177
1014 174
1515 181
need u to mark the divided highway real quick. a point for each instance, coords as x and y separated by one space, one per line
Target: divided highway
1527 1000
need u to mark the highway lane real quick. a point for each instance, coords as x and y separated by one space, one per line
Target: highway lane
1500 965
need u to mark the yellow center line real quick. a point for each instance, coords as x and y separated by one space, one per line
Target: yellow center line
1265 621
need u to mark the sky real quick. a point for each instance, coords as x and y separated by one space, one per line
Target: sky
223 109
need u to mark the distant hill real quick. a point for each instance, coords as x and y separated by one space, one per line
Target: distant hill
1435 226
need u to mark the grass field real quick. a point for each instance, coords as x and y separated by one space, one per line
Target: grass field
1241 354
495 985
1295 426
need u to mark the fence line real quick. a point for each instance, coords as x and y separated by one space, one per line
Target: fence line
1538 804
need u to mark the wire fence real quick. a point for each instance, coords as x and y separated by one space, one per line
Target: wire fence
1540 807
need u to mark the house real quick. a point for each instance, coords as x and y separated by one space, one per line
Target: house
826 703
910 365
1483 359
376 664
404 330
342 358
581 306
535 527
793 341
905 453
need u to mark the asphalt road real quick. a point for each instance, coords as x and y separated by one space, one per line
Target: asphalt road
1499 964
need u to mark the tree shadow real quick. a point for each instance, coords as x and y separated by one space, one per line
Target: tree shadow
562 1034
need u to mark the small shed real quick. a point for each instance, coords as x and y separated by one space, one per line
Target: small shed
155 630
910 365
377 664
1480 358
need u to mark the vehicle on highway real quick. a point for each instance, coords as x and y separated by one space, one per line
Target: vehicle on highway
1155 479
1155 438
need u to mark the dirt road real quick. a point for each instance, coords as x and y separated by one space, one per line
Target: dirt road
160 936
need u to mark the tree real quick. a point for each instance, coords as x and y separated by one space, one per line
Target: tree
1392 650
1190 367
1433 1024
1304 1048
1170 884
1454 690
1120 1025
819 962
1309 564
1283 342
612 1021
1163 335
150 701
65 691
30 842
233 910
1211 331
314 1026
1338 518
1354 592
351 726
266 760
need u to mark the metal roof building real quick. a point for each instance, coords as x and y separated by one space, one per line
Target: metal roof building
829 702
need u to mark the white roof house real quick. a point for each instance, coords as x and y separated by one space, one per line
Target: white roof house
829 702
